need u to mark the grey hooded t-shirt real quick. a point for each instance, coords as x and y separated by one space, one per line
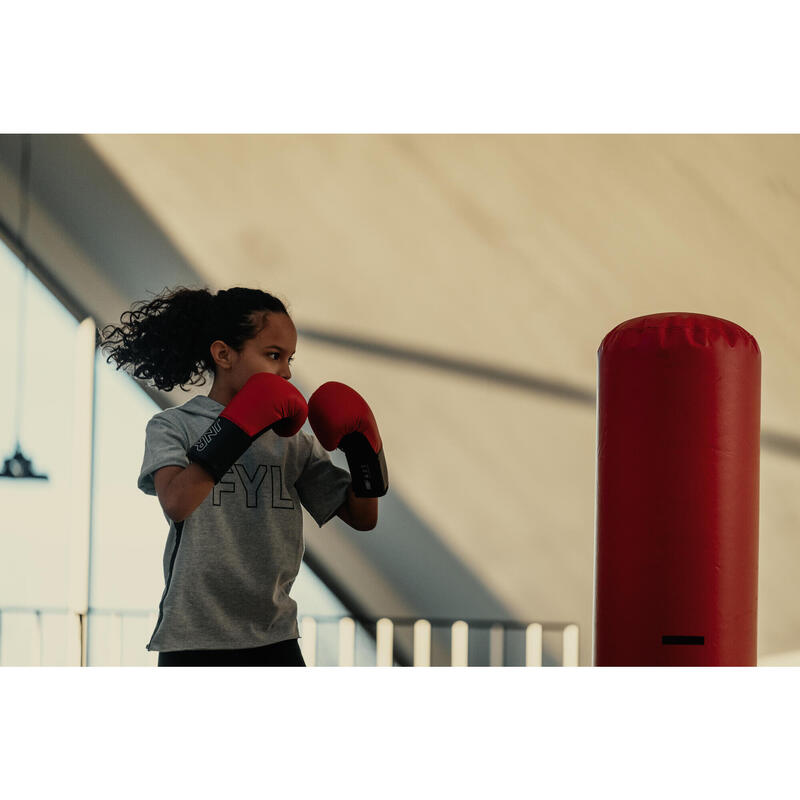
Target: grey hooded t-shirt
229 566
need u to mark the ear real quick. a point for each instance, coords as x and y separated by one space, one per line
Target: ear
221 354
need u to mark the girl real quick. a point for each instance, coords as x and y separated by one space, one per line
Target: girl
232 469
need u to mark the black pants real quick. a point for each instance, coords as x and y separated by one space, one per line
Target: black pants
280 654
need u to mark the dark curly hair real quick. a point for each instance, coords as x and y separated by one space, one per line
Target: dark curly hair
168 339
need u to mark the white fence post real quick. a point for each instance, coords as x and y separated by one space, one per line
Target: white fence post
459 645
533 645
74 639
384 641
347 642
422 643
569 646
36 658
152 655
116 638
308 640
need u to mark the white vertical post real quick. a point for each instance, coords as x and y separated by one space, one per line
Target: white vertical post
36 656
308 640
459 644
81 489
569 646
384 641
496 645
116 638
533 645
347 642
152 655
422 643
84 629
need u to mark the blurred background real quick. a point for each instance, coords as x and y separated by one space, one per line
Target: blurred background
462 284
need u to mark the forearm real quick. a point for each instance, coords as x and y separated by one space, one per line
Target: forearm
360 513
186 491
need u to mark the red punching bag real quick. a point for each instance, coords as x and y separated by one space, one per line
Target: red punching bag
676 540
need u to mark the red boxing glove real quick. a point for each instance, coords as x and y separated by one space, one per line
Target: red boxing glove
340 417
265 401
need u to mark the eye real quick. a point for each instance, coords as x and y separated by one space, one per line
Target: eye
291 358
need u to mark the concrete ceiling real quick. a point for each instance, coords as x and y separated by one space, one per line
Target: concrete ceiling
463 284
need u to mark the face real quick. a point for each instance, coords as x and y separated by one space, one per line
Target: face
271 350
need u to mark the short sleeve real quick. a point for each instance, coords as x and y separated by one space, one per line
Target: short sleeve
164 445
322 486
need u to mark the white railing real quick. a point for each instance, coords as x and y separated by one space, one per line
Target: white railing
459 634
61 637
108 637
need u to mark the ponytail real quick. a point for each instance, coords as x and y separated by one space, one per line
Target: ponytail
168 339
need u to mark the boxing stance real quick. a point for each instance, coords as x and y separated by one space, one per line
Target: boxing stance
234 548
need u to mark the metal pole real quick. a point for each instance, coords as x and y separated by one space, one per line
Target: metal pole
81 516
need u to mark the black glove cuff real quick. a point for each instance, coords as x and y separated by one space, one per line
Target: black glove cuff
219 447
367 468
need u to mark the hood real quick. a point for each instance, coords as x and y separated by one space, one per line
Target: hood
202 406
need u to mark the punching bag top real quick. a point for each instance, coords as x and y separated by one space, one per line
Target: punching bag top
676 330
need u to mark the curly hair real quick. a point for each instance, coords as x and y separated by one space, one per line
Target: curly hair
168 339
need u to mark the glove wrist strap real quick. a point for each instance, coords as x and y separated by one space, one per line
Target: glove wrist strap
219 447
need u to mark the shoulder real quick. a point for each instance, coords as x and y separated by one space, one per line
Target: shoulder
171 422
197 408
169 417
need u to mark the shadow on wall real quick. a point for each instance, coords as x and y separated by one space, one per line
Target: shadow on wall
407 573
